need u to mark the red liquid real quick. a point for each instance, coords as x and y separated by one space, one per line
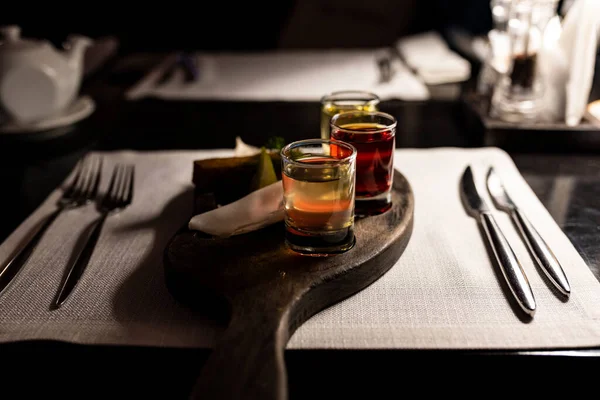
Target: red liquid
375 158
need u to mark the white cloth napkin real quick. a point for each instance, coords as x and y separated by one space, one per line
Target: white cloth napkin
282 75
260 208
443 293
568 59
579 42
430 56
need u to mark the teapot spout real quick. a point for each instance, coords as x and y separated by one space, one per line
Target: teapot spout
76 46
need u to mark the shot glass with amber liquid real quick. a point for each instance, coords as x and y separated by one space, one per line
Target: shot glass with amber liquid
319 189
373 134
343 101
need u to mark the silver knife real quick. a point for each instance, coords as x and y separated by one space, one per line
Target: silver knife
538 248
509 264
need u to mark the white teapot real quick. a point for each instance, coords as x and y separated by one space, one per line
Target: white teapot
38 81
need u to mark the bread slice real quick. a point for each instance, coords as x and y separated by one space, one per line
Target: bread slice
220 181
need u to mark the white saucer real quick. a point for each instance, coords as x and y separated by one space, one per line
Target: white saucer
80 109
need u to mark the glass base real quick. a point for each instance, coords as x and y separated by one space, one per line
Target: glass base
364 207
524 105
516 112
320 244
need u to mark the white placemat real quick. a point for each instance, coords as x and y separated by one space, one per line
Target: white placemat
299 75
442 294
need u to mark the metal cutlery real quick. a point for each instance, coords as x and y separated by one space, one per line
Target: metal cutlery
80 191
185 62
540 251
180 62
384 63
509 264
118 196
388 61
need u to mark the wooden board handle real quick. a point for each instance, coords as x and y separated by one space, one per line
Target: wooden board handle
248 360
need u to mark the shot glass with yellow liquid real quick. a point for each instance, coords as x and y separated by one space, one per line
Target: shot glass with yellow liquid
318 196
342 101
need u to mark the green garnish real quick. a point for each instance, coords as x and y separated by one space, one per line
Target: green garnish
275 143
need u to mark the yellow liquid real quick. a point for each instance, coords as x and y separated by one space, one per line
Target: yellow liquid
318 200
328 110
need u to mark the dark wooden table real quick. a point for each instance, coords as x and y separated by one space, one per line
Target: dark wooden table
566 179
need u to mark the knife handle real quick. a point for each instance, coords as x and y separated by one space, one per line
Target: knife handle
541 252
509 264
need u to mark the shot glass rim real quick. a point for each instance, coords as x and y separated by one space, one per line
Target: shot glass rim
338 161
392 126
375 99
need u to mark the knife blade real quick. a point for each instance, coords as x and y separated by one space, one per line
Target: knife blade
507 261
541 253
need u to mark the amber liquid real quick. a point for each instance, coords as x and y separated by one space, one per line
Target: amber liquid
374 164
523 71
319 207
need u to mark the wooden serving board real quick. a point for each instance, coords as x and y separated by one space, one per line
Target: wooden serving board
266 291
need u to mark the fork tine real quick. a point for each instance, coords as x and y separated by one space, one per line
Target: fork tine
91 178
122 186
73 183
126 186
111 186
83 182
93 192
129 197
119 192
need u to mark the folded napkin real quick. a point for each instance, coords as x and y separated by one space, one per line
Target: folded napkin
258 209
443 293
567 60
579 43
429 55
282 75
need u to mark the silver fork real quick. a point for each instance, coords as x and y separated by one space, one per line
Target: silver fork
118 196
81 190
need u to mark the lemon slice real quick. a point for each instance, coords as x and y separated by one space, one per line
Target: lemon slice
265 174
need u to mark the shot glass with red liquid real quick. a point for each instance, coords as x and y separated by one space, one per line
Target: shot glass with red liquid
373 134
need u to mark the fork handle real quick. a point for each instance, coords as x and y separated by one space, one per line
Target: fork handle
79 262
542 254
11 267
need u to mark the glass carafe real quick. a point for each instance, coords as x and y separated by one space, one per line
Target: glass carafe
518 94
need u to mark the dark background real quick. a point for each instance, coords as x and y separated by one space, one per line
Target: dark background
203 25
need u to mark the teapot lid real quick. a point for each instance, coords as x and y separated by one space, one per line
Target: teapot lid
11 39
